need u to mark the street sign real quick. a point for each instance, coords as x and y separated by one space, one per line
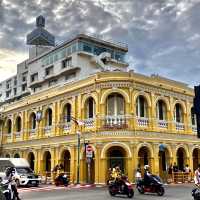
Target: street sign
89 151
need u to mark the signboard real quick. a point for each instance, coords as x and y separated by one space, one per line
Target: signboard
89 151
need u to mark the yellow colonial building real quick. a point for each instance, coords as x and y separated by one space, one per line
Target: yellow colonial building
129 119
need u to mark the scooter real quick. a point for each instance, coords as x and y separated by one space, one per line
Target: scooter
61 179
6 190
155 186
122 187
196 193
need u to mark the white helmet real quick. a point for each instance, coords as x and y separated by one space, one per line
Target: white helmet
146 167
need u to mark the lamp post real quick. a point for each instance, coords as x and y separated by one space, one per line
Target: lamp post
79 124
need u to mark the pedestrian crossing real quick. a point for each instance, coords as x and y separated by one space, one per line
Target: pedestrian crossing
52 187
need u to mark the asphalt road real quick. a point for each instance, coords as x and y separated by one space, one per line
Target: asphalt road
173 192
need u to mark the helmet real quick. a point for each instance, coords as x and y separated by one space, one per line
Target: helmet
10 170
146 167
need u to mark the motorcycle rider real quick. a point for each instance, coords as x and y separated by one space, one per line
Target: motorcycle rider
147 175
10 171
116 175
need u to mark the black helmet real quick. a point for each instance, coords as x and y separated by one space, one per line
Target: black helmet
9 170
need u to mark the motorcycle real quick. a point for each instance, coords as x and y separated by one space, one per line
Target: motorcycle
196 193
155 186
6 191
61 179
122 186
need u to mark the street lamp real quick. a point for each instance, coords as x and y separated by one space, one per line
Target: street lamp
79 124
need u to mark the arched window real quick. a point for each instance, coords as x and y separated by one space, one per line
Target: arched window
90 108
115 105
49 117
193 117
9 126
33 120
141 106
178 113
67 113
18 124
161 110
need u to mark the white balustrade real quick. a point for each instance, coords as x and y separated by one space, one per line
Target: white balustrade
194 128
180 126
162 123
18 134
47 130
115 121
142 121
89 122
67 126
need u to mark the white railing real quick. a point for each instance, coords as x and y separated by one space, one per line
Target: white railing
119 121
47 130
180 126
194 128
88 123
142 121
18 134
67 126
32 132
162 123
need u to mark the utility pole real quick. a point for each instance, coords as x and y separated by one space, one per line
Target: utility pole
197 108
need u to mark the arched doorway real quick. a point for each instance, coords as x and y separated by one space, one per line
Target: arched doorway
181 158
116 156
65 161
196 158
31 160
7 155
164 161
144 157
47 161
16 155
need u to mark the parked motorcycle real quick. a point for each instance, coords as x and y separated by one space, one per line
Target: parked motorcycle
155 186
61 179
123 187
6 191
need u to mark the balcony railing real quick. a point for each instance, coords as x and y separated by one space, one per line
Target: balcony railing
18 134
115 122
32 132
180 126
47 130
162 124
142 121
194 128
66 126
89 123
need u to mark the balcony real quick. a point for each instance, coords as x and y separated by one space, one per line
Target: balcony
180 126
9 137
32 133
89 123
115 122
142 121
194 128
47 130
162 124
66 126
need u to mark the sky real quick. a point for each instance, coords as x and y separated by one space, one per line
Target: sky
163 36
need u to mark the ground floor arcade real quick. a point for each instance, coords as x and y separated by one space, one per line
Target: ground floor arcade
107 154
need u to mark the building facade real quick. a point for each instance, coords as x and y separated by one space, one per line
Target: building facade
129 119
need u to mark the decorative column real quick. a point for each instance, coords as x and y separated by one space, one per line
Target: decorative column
155 159
73 164
152 113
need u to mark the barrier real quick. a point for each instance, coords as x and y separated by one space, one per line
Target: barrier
49 177
180 177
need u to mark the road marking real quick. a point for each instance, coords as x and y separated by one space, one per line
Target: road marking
53 187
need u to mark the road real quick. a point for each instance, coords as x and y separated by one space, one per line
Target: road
173 192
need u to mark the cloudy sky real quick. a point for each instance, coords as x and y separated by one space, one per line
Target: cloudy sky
163 35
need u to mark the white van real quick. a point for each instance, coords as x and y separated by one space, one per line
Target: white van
23 173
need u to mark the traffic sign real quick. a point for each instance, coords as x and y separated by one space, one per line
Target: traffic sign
89 151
